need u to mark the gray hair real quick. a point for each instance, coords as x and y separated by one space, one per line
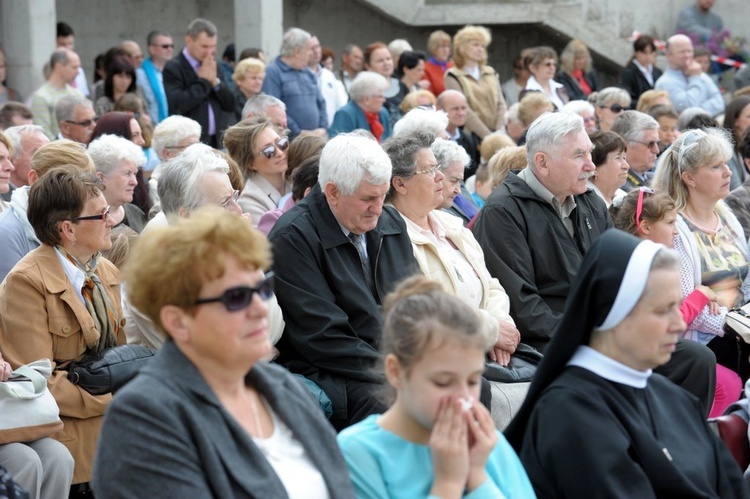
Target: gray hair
173 130
366 84
293 40
348 159
691 150
108 150
402 151
610 94
448 152
59 56
548 132
417 119
15 133
256 106
630 125
152 36
687 115
578 107
200 25
180 179
66 107
512 114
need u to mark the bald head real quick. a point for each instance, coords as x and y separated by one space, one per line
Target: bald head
455 105
679 52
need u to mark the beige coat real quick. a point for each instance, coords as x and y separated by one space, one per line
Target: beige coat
495 305
41 316
486 113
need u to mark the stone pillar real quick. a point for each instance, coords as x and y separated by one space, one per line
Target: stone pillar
259 23
28 39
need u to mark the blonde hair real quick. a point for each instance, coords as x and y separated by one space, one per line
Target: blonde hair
436 38
123 239
61 152
532 105
468 34
198 248
250 65
572 51
503 161
411 100
647 98
493 143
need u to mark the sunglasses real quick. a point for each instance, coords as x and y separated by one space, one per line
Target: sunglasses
239 298
639 205
86 123
164 45
269 151
615 108
103 216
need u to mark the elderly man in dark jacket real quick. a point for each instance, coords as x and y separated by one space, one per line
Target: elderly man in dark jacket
336 255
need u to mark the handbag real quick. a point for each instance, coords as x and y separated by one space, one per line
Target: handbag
29 411
738 319
110 370
522 366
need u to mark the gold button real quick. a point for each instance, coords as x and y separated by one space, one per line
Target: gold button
66 328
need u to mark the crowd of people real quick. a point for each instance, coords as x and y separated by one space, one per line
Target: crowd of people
326 261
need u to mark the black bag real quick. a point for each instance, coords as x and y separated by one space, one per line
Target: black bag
522 366
109 371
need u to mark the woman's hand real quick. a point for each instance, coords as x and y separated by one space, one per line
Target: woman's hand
482 439
713 305
508 339
449 447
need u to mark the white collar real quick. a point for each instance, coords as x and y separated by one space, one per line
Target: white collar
608 368
75 275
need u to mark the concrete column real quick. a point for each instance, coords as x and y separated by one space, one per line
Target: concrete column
259 23
28 38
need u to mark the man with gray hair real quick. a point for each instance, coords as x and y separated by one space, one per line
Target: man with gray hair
76 118
267 106
641 132
337 253
26 140
305 107
64 66
537 225
195 87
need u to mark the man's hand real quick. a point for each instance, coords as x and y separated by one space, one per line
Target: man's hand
693 68
207 70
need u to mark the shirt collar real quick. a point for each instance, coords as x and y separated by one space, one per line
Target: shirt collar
564 209
608 368
193 61
73 273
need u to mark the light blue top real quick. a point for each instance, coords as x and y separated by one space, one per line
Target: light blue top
383 465
689 91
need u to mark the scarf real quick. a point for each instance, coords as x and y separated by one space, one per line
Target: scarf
161 98
443 64
373 120
97 302
582 82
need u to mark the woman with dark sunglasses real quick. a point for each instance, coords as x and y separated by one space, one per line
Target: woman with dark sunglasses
262 156
711 242
609 103
209 418
62 301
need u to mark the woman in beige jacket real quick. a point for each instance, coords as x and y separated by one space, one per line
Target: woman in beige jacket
61 301
445 250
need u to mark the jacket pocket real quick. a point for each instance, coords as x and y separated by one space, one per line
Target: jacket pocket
67 339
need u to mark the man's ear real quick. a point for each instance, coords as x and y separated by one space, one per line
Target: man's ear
541 164
332 193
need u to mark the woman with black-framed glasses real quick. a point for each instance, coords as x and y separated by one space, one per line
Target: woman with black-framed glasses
262 156
209 418
62 300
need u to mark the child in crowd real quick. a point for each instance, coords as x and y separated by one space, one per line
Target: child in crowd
436 439
666 116
652 215
482 187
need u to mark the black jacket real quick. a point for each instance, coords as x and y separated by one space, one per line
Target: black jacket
190 96
333 319
575 92
635 83
529 250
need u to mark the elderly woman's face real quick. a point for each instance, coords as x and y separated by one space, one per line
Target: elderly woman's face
381 62
453 176
442 51
92 236
269 142
607 113
579 63
120 183
6 167
373 103
474 51
647 337
252 83
230 338
545 70
424 189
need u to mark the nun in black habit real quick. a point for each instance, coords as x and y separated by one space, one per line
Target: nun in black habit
597 422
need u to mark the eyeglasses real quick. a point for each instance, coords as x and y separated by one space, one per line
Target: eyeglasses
239 298
85 123
235 197
650 144
269 151
615 108
639 204
429 171
103 216
164 45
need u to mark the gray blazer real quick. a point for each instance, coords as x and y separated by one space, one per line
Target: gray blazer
167 435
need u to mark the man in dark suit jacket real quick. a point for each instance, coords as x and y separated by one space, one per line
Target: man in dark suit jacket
194 86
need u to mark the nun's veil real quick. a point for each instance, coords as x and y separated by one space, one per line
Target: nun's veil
616 260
